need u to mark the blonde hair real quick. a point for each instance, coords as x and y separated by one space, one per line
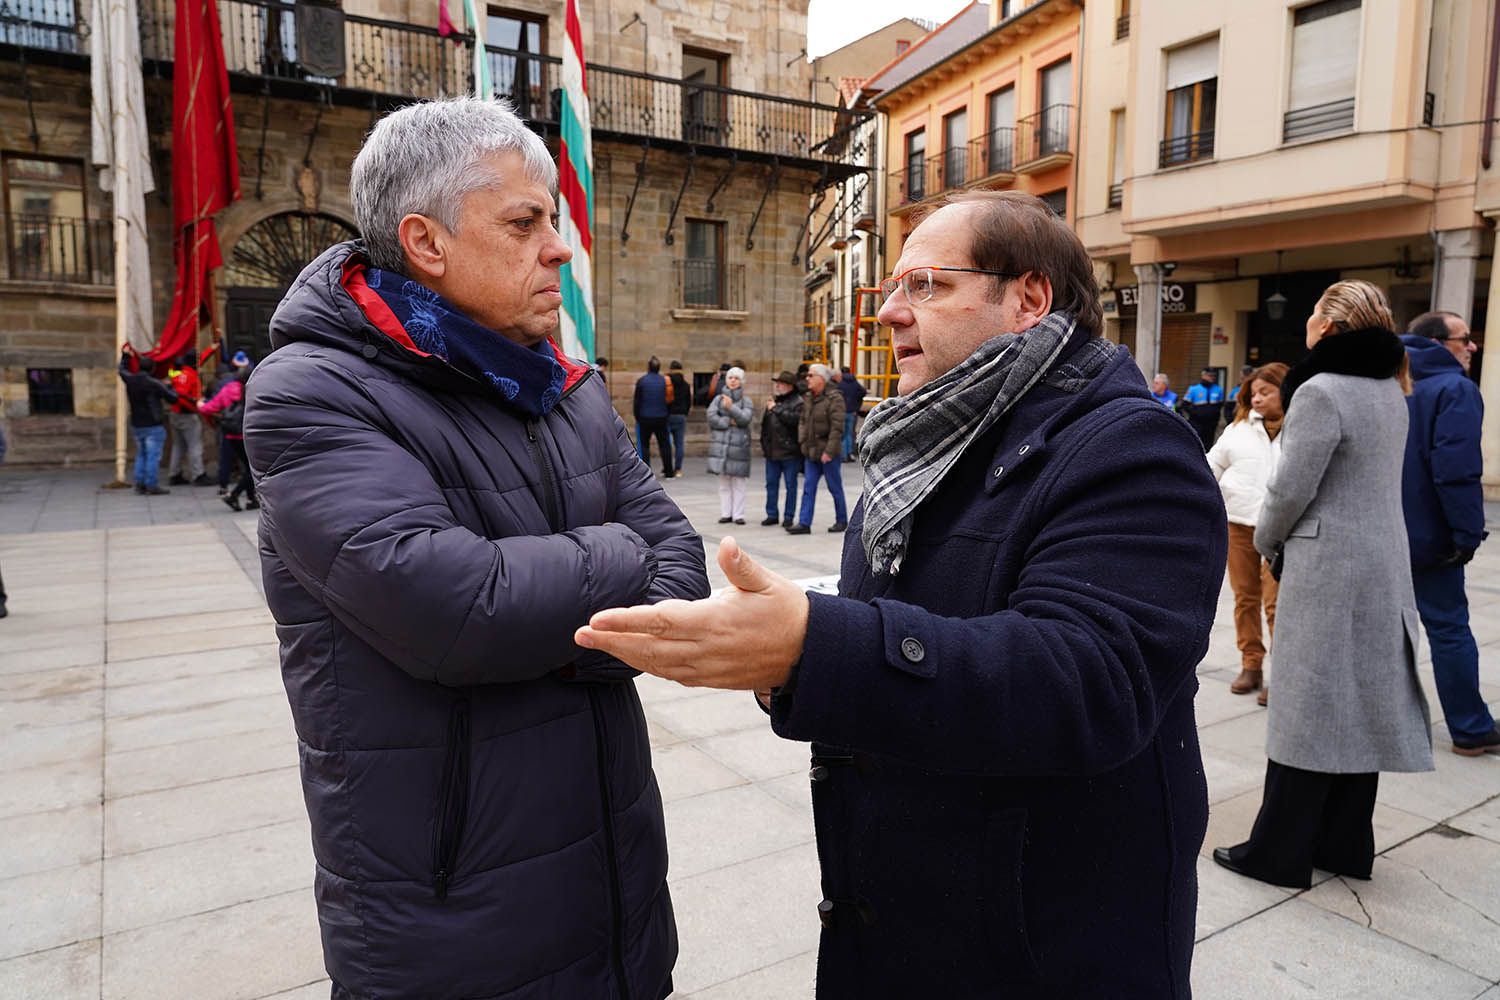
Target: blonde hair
1358 305
1271 374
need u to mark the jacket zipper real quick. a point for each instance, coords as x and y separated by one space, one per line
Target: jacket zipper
616 906
551 499
453 799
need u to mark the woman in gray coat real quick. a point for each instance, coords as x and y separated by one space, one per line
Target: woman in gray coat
729 445
1348 704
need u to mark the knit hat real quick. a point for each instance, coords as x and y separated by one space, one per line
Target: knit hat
738 373
240 359
785 378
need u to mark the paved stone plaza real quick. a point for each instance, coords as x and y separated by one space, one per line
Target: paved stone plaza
154 845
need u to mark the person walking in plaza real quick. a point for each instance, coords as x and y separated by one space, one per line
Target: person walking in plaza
1348 703
186 462
1202 404
1161 391
228 407
1243 460
1443 500
146 397
778 443
1006 782
820 434
854 394
447 497
653 394
729 415
679 405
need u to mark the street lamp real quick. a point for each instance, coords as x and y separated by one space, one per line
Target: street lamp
1276 302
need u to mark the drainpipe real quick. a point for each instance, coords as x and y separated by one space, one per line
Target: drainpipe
1489 89
1078 111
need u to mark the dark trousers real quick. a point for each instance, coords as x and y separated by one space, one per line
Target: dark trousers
246 485
226 459
1307 820
658 429
1444 608
779 471
677 428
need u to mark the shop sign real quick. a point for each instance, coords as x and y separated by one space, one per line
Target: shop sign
1175 298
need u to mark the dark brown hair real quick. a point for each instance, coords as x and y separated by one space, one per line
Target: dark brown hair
1272 374
1017 232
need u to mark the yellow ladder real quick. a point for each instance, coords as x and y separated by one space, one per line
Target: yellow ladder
815 350
874 353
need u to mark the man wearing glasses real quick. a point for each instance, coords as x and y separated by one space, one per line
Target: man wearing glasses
1006 781
1443 499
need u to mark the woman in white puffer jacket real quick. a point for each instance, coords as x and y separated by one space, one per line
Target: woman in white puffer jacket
1242 461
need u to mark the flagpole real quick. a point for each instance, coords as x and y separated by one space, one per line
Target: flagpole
122 337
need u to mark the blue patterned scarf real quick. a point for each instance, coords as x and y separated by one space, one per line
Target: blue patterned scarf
529 379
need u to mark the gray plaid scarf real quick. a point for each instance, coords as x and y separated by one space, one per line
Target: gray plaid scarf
911 443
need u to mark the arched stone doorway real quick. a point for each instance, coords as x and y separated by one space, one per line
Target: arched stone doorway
264 263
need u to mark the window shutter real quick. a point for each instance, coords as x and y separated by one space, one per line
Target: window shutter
1117 176
1325 51
1193 63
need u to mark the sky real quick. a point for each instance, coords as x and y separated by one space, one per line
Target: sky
833 23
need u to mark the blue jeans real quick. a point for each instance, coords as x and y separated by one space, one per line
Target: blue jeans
677 428
812 471
848 448
1444 608
640 444
148 442
778 471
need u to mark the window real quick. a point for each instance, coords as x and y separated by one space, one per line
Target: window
48 235
703 265
1000 122
916 154
1122 21
1192 91
955 148
1117 159
1057 201
1057 93
704 112
902 45
41 24
512 74
50 391
1325 58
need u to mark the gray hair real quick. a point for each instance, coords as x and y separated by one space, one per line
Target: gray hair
424 158
822 371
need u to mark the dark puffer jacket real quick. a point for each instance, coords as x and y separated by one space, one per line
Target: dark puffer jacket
485 820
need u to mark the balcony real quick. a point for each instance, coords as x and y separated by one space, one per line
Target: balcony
1116 195
1122 27
1320 119
388 63
1044 140
54 248
993 154
1190 148
707 286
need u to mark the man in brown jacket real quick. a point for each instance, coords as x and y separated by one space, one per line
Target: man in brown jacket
820 434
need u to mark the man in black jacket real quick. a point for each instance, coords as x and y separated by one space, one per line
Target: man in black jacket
446 497
679 405
146 396
779 427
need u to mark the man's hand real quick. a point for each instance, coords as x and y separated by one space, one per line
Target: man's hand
744 638
827 458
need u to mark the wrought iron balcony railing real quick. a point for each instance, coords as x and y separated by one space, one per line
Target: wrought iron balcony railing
993 153
1188 148
1116 195
1335 116
59 248
1047 133
709 284
391 60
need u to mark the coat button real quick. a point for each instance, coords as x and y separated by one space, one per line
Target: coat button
825 913
912 650
369 351
818 773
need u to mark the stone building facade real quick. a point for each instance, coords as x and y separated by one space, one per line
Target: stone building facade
706 152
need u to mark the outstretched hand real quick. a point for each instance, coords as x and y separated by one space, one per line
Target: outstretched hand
744 638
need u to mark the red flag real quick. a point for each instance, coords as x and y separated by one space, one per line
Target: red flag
205 168
445 23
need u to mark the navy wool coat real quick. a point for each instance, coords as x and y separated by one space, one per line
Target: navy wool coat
1006 780
484 816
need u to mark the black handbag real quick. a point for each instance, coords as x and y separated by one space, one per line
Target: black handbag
1276 561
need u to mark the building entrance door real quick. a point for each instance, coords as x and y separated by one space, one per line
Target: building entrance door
265 262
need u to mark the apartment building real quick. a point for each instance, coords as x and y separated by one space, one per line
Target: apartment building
706 151
1238 156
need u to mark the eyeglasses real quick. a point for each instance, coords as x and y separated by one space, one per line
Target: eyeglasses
1467 338
916 282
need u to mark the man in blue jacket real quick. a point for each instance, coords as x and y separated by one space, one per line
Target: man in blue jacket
1006 781
651 407
1444 504
1202 404
446 498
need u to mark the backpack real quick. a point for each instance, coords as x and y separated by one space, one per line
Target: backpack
232 420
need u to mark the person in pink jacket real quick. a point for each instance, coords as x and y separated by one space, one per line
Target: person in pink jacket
228 405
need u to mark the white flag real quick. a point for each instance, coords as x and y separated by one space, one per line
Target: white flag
122 154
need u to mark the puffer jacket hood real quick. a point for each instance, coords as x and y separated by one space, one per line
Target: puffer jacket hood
1429 357
485 821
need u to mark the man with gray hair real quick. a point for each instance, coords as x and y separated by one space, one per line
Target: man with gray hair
820 435
446 497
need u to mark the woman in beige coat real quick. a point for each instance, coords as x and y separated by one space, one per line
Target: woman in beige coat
1348 704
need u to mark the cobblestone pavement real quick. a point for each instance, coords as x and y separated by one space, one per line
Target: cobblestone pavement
156 846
